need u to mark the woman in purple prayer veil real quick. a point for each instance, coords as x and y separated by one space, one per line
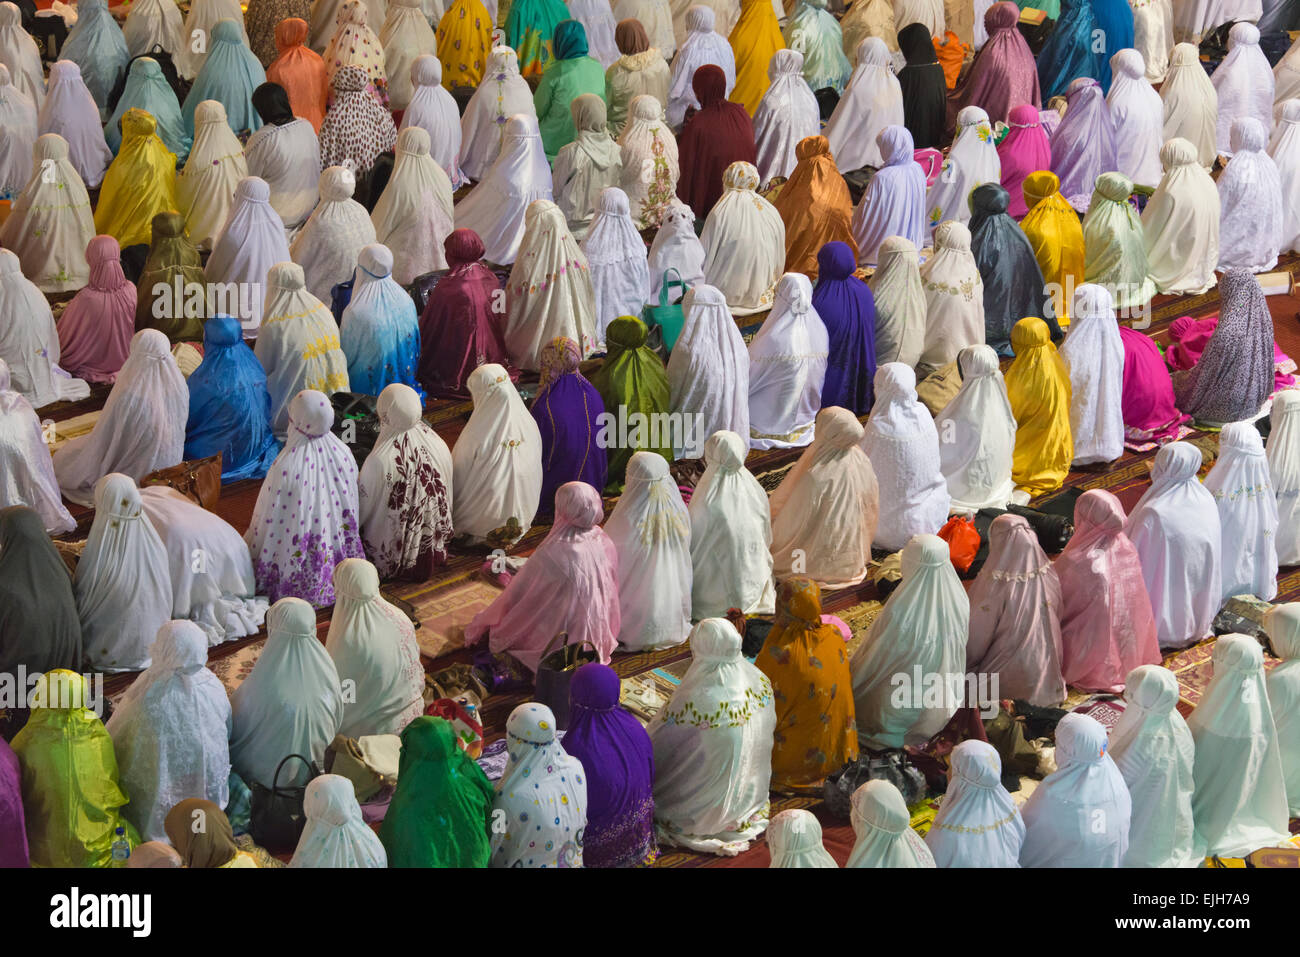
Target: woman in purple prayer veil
1083 146
894 203
460 329
848 311
13 833
616 753
1003 74
566 410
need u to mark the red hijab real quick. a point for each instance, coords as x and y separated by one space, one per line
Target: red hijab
716 135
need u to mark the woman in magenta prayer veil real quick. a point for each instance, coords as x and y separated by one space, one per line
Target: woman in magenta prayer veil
1148 397
95 329
1025 150
13 832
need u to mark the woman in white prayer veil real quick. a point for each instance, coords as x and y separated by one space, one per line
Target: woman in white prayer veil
122 583
651 532
414 214
1094 353
1285 150
205 188
711 777
787 113
972 161
1191 104
1153 38
1136 109
902 443
657 18
586 167
726 13
597 17
978 824
336 835
549 292
1180 224
496 462
1079 815
744 243
502 94
954 298
250 242
1152 747
677 248
18 120
900 302
1244 84
19 53
869 18
883 827
50 222
153 23
616 260
978 435
170 731
1282 624
70 111
731 535
29 341
1284 469
787 368
497 206
212 578
1175 529
927 12
1248 513
405 37
1250 201
1239 801
290 703
872 101
825 511
374 649
339 228
434 110
285 152
197 32
142 427
708 373
1286 76
701 45
923 626
26 472
651 168
794 838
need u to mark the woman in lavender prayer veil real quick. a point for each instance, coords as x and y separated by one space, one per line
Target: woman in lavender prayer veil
1083 146
26 472
70 110
1250 201
894 203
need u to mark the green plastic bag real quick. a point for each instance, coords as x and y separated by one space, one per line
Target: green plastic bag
667 315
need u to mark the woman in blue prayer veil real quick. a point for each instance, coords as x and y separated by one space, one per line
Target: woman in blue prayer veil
1069 52
1115 20
147 89
230 407
97 46
379 330
229 75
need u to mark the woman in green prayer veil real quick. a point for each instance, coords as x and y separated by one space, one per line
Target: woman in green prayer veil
1115 255
633 384
172 296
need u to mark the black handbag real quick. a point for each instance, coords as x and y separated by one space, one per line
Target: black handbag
356 422
555 674
892 766
276 818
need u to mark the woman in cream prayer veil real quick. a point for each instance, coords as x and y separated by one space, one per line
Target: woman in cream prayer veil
794 838
497 207
20 54
978 824
1181 223
711 777
1285 150
50 222
355 43
978 435
1282 624
433 108
373 646
872 101
1248 513
731 535
1250 201
900 303
1153 749
954 298
404 36
787 368
1239 801
70 111
588 165
502 95
1139 118
1191 105
25 461
142 427
616 260
290 703
825 511
496 463
1284 468
647 143
651 532
1094 354
414 215
972 161
29 340
335 834
250 242
787 114
923 626
285 151
170 731
153 23
744 243
339 228
1153 38
708 372
196 35
884 832
205 188
867 19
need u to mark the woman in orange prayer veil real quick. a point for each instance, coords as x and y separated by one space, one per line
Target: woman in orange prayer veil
301 72
1038 386
1056 233
814 205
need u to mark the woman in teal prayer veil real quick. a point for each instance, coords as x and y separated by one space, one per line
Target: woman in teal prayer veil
230 75
147 89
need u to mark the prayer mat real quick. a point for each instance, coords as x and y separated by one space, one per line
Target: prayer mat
1194 667
444 611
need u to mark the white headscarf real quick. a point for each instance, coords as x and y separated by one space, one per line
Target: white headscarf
405 37
1284 469
51 223
170 731
1136 109
1282 623
1153 750
291 702
122 583
900 301
1244 84
205 188
1079 815
497 460
414 215
1248 513
434 110
787 368
335 834
339 228
1094 353
726 14
1239 802
972 161
977 435
197 32
978 824
153 23
884 830
1181 223
645 143
616 257
18 120
657 18
597 16
651 532
142 427
872 100
1153 36
675 247
711 776
1175 529
701 46
29 341
954 298
708 370
794 837
288 158
496 208
1286 75
787 114
26 472
1196 19
250 242
1191 104
1250 201
744 243
502 94
1285 150
70 110
18 52
923 626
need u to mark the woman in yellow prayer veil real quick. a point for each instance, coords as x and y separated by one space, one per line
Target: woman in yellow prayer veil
71 797
1038 385
1056 233
755 37
140 182
464 42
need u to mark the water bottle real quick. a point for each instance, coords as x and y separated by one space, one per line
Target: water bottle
121 847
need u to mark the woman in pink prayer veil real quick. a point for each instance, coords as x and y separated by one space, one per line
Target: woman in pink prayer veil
95 329
1025 150
570 584
1148 397
1107 627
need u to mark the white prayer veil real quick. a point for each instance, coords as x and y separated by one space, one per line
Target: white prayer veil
954 298
1094 353
1153 36
900 302
708 373
884 830
50 223
787 368
288 157
336 835
1248 513
794 838
196 34
1286 75
1191 104
497 206
597 16
645 143
205 188
701 46
414 215
405 37
1250 201
70 110
978 824
339 228
18 120
787 113
675 247
1244 85
501 95
1285 150
153 23
744 243
1137 111
1284 469
26 471
972 161
616 258
1282 624
20 55
977 435
434 110
1180 224
250 242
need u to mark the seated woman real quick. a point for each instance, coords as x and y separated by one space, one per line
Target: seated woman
335 834
413 217
96 327
979 435
433 109
1094 356
717 135
147 89
587 165
299 71
567 410
570 74
205 188
173 262
38 612
50 221
794 839
1009 270
285 153
140 183
379 330
25 458
229 75
744 242
1282 625
1038 387
884 830
500 202
978 824
211 845
1052 227
640 70
330 241
250 243
787 368
632 382
894 201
